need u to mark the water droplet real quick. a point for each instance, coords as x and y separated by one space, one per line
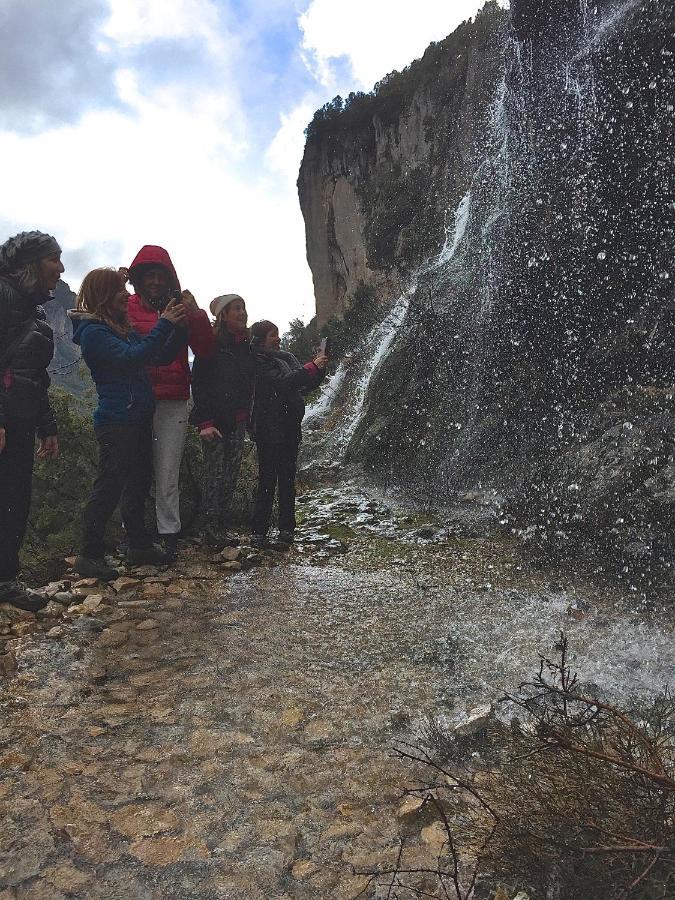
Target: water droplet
652 84
664 276
602 255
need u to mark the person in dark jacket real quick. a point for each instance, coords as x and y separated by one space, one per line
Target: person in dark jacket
117 358
222 390
30 267
277 427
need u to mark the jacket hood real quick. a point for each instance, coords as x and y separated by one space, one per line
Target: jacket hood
81 320
150 255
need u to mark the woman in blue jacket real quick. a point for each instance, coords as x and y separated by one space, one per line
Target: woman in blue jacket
117 357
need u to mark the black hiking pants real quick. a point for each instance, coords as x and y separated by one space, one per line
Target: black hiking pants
277 464
16 481
124 476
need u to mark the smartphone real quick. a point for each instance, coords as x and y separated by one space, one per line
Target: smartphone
323 345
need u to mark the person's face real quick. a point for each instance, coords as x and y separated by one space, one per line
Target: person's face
236 317
272 340
154 283
120 303
51 268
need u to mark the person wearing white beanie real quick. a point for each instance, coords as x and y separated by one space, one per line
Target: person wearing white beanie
222 390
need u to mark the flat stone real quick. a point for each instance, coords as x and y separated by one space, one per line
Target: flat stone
145 571
230 554
56 632
303 868
291 716
7 663
110 638
434 836
23 628
124 583
144 820
66 877
93 601
51 610
86 582
65 598
167 851
476 720
153 589
147 625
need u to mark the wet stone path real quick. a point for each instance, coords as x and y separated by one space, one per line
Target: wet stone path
221 733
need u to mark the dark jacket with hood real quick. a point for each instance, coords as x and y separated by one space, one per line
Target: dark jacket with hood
23 377
223 384
118 364
279 405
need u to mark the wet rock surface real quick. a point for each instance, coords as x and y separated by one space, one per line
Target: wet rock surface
225 732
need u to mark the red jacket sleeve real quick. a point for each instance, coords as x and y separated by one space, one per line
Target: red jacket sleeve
200 334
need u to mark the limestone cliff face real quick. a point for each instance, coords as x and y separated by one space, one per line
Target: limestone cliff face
380 171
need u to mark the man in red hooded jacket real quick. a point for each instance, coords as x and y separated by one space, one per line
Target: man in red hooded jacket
155 281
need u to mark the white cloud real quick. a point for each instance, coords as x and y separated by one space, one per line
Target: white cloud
167 173
285 152
376 36
134 22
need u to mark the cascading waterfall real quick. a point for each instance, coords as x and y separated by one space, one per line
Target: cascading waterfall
355 375
508 363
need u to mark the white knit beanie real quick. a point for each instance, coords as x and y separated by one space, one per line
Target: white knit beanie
218 304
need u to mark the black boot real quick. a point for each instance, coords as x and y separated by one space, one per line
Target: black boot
95 568
170 546
146 556
20 596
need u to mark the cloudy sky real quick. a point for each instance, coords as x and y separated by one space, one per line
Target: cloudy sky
180 123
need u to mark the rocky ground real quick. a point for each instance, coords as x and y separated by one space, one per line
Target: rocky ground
224 729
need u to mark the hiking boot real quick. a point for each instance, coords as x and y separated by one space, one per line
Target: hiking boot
286 537
21 597
170 546
146 556
258 541
231 539
213 539
88 567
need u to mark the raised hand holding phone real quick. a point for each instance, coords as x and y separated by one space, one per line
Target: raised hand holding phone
174 312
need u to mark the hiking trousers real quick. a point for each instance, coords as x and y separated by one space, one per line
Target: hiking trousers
277 464
123 477
222 461
16 482
169 427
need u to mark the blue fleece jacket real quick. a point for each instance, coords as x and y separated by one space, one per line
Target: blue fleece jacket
117 366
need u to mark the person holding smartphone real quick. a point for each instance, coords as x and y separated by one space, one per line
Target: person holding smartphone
278 410
155 282
117 357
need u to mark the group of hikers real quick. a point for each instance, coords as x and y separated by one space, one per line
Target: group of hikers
136 348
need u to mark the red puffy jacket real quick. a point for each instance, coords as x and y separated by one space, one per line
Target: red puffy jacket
170 382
